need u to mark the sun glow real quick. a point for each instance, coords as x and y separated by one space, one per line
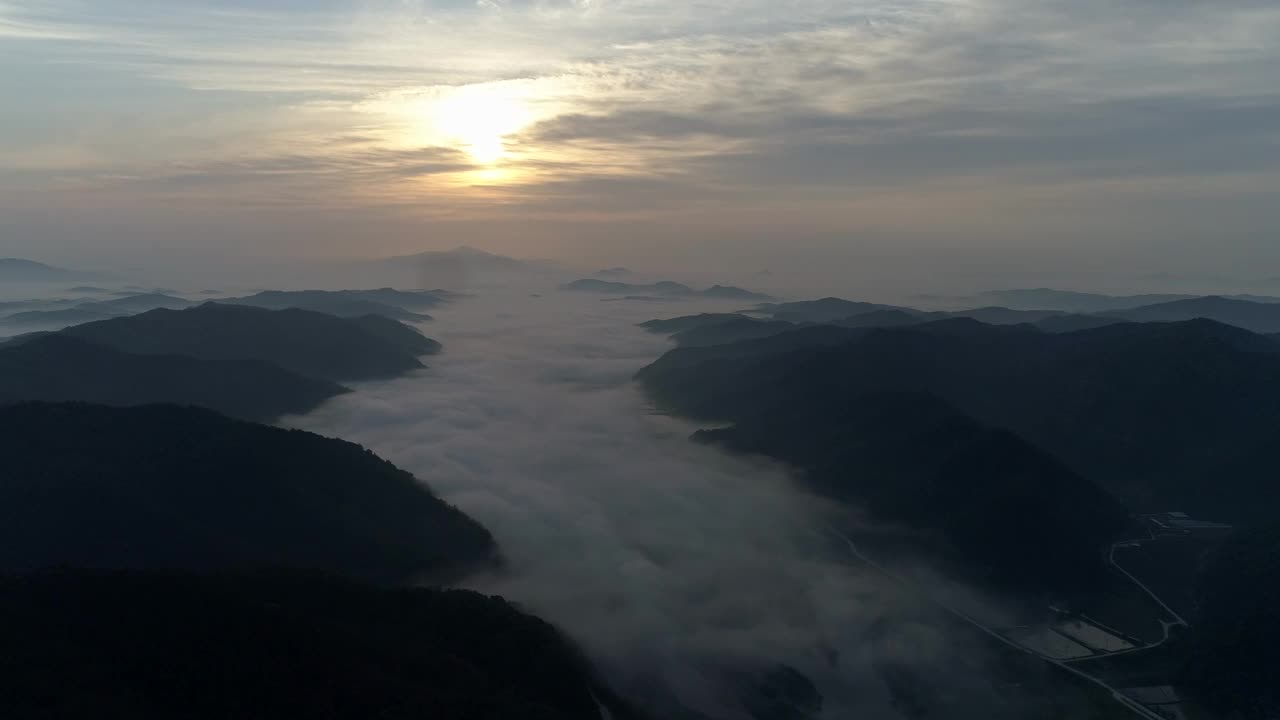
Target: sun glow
471 136
478 119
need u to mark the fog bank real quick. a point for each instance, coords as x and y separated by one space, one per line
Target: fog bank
668 561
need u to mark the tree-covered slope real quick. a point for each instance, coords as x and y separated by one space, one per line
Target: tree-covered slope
59 368
171 487
1234 661
148 645
302 341
394 304
1166 414
1004 510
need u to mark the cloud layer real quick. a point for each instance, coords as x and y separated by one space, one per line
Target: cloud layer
673 564
1022 128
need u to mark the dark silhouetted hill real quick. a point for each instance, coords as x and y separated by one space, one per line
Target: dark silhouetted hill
397 334
60 368
1072 322
862 314
731 331
20 270
130 304
1167 415
1233 660
301 341
457 268
730 292
1006 511
157 646
49 318
394 304
662 288
994 315
1254 316
473 258
167 487
665 287
1071 301
825 310
672 326
882 318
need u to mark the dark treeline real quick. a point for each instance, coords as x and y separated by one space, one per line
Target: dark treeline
150 645
160 562
1234 661
247 362
1021 451
1148 411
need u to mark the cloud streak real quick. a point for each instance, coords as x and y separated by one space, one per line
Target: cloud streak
855 116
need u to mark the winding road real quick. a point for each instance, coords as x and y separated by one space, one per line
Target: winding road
1133 705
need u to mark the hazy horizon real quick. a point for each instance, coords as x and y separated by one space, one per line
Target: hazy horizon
979 142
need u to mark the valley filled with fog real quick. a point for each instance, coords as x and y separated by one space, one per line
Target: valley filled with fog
680 498
696 579
671 562
639 360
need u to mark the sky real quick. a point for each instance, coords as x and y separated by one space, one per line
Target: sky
1127 138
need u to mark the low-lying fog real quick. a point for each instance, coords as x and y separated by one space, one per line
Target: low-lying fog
667 561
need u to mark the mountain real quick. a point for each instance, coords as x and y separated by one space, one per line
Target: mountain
59 368
407 299
826 310
719 328
995 315
1233 661
343 303
13 306
1004 510
130 304
1255 298
672 326
883 318
723 328
167 487
664 287
457 269
1164 415
863 314
397 334
730 331
20 270
300 341
614 272
730 292
470 256
54 318
1254 316
987 500
1070 301
153 646
1072 322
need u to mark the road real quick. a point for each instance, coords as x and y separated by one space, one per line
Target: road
1133 705
1111 559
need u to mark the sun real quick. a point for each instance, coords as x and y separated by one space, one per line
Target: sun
478 119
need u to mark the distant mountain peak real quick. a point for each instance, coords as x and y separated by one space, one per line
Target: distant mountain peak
20 263
475 252
24 269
